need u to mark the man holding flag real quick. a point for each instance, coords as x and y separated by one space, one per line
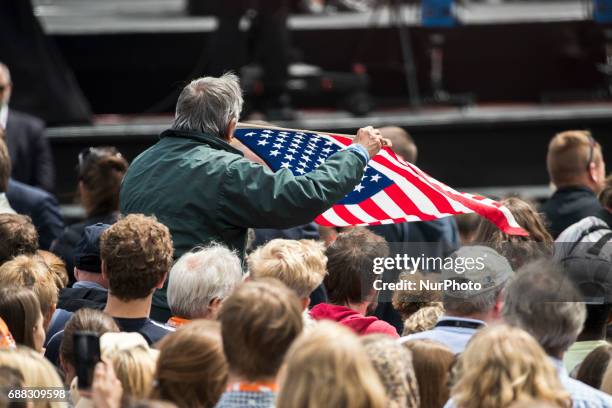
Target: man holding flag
202 188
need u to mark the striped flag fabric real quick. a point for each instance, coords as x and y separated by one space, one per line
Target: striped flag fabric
391 190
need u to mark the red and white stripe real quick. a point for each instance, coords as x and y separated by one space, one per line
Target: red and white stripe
414 196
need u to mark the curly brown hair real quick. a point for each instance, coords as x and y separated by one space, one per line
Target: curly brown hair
136 254
18 236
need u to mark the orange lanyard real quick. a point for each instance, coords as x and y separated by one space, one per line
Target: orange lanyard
258 386
177 321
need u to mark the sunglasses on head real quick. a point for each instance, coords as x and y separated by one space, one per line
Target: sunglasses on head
592 144
96 153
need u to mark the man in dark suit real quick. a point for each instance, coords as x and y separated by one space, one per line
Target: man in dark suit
27 143
39 205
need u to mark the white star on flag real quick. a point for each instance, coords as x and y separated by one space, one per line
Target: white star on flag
262 143
375 178
358 188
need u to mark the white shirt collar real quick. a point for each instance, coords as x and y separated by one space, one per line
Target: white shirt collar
3 115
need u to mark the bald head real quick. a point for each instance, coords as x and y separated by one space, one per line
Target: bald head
402 143
575 159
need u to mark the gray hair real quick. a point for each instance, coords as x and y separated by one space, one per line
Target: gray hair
200 276
209 104
543 302
479 303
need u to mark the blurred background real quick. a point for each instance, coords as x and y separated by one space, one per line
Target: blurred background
481 86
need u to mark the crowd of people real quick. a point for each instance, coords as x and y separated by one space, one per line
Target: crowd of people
205 283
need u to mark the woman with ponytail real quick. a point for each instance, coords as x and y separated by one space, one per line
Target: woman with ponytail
100 170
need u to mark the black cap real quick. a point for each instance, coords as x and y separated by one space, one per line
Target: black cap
87 252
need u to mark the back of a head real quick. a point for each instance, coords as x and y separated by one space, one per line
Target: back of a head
568 157
393 363
20 310
136 253
191 368
10 379
328 367
200 276
406 301
259 321
517 249
101 170
135 369
432 362
5 165
57 267
501 375
18 236
301 265
36 370
542 301
474 265
208 105
32 273
84 319
350 261
605 195
592 369
402 143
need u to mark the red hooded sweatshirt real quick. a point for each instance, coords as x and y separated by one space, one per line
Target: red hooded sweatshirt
359 323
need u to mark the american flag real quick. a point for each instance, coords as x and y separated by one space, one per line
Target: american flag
390 191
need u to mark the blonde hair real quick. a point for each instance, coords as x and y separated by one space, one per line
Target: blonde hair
32 273
423 319
135 369
56 266
513 368
36 370
301 265
328 367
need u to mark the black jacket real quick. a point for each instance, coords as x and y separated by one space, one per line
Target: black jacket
569 205
29 150
65 244
73 299
39 205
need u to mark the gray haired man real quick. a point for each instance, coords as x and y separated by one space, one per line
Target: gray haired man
475 277
199 185
199 282
545 303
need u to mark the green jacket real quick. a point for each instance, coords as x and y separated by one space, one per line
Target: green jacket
204 190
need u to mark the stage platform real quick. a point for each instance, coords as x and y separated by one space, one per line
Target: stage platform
493 150
90 17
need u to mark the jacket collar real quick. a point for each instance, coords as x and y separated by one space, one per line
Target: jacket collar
212 141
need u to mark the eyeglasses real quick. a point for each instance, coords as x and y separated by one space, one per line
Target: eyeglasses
91 153
592 144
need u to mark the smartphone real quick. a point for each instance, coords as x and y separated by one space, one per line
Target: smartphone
86 356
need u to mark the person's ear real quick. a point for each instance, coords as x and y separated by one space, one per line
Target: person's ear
75 272
160 284
231 127
103 270
213 307
305 303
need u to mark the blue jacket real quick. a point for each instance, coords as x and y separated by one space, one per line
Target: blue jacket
41 207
